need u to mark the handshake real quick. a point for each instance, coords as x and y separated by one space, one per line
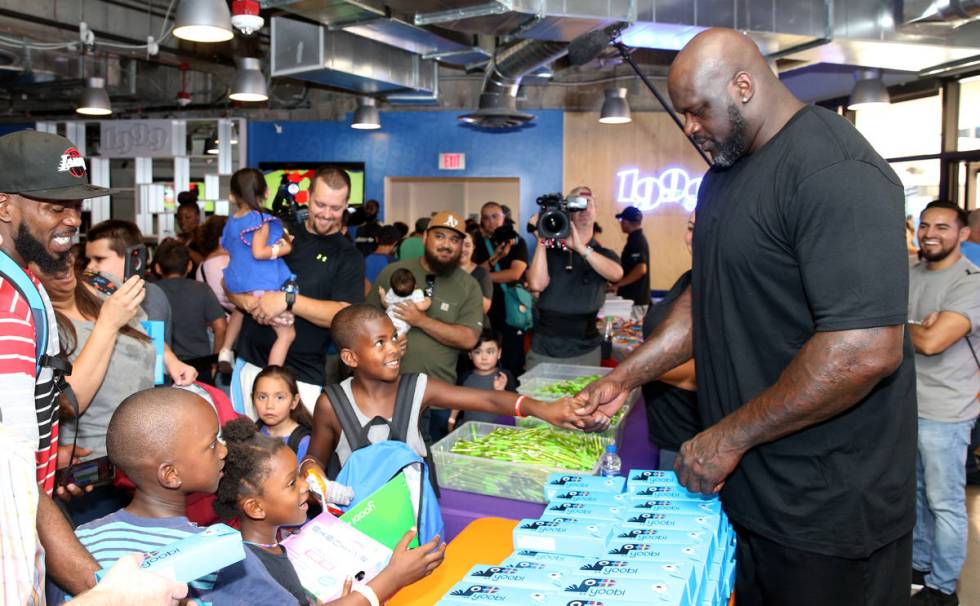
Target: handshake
589 410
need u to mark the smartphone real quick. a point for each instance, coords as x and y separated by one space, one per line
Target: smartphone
135 262
94 472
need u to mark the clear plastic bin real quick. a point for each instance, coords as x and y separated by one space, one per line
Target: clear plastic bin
534 381
505 479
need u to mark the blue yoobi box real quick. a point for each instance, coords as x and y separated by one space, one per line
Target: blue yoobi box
682 570
550 559
196 555
483 593
696 554
655 492
650 517
529 575
671 537
592 511
658 477
563 482
667 590
563 535
591 496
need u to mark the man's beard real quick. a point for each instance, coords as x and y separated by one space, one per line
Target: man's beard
31 250
732 148
938 256
441 268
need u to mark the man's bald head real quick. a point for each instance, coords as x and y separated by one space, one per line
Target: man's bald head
725 90
145 428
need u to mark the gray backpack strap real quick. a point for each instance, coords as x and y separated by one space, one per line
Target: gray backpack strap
404 398
350 426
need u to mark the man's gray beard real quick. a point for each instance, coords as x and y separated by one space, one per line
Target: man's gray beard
733 148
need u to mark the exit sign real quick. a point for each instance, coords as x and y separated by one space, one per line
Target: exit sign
452 161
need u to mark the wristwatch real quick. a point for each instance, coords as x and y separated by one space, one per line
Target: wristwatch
588 251
291 288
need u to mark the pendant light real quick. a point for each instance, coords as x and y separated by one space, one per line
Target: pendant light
249 83
94 100
869 91
366 117
615 109
203 21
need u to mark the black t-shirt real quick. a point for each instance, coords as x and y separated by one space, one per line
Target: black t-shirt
281 570
366 235
635 252
481 253
672 412
327 268
807 235
578 291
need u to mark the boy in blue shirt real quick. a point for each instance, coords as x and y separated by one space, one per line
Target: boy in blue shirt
166 441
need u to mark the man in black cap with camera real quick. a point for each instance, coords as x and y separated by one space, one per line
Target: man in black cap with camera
43 181
635 283
571 277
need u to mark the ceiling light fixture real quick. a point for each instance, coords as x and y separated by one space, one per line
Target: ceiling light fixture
95 99
366 117
203 21
869 91
615 109
249 83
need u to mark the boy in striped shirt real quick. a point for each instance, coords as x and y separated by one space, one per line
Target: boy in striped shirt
166 441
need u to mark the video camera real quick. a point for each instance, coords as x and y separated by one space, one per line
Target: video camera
555 220
504 233
284 205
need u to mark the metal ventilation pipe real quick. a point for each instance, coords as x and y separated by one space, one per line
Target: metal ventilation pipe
950 10
498 100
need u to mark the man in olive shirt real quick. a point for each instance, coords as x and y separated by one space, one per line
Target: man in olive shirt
455 317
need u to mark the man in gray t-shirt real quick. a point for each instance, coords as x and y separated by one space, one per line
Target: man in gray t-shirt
944 314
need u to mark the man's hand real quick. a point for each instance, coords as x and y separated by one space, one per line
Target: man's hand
402 342
603 397
127 583
243 301
574 240
410 313
706 460
268 306
564 413
69 491
501 251
182 374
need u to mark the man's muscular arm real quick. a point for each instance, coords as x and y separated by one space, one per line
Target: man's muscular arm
831 373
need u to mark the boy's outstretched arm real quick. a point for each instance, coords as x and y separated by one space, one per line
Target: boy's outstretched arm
560 413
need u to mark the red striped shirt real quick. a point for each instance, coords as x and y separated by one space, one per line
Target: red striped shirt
18 358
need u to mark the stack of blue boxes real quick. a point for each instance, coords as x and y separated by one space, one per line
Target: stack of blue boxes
613 542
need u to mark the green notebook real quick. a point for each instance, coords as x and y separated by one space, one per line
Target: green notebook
387 514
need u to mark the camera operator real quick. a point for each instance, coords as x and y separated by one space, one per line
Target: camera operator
571 276
503 253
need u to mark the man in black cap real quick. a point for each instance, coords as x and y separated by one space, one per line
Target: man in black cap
635 283
42 183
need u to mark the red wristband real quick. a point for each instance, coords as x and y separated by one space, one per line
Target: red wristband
517 407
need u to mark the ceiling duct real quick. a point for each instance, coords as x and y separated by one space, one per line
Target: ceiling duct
308 51
939 11
498 100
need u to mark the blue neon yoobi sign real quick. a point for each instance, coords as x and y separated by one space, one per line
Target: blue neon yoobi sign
673 185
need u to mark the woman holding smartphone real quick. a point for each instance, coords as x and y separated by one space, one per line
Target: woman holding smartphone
111 357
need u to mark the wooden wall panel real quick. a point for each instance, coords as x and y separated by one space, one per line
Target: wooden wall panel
594 153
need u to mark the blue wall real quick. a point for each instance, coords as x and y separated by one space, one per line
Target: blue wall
408 144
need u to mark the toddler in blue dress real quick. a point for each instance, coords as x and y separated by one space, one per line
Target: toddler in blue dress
255 240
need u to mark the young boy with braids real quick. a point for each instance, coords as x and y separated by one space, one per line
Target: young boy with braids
262 489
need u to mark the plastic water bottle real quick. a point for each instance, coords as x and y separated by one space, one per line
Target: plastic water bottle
610 463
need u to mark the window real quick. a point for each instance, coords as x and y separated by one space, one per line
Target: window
968 135
909 128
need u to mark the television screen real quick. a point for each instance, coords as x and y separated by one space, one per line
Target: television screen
301 174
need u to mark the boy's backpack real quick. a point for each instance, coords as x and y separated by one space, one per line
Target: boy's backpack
371 466
296 437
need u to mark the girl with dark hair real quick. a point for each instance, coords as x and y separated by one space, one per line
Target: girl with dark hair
255 241
262 488
281 413
207 239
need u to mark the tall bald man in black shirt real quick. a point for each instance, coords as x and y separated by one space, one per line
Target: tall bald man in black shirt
795 318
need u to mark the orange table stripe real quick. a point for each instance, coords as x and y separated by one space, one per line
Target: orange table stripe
484 541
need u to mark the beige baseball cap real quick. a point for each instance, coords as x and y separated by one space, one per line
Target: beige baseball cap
449 220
